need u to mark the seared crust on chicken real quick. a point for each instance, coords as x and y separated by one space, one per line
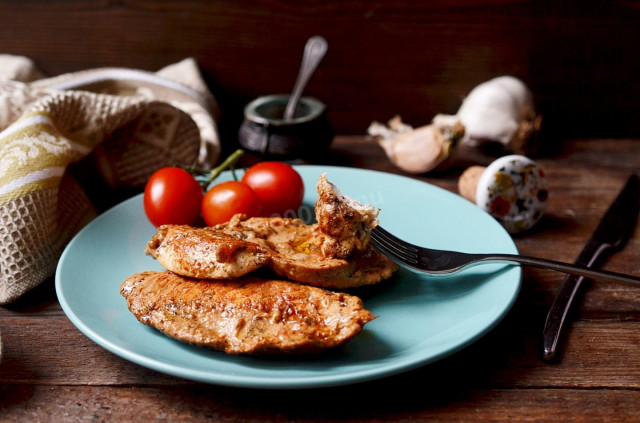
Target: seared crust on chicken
245 316
296 253
289 247
203 253
346 222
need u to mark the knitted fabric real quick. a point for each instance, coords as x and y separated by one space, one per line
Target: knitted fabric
130 122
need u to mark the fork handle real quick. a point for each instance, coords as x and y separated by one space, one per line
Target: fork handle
557 266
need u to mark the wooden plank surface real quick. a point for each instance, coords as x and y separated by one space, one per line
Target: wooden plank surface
51 372
194 404
385 57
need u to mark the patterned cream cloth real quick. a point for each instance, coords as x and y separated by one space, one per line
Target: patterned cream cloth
129 122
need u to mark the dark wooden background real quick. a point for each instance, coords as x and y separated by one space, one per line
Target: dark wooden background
413 58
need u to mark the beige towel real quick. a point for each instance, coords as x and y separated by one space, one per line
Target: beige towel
132 122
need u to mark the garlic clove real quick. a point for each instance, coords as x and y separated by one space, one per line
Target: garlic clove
418 150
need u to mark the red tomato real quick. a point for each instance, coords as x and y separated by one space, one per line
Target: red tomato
225 199
172 196
278 185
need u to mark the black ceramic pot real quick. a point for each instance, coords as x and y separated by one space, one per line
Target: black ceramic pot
266 133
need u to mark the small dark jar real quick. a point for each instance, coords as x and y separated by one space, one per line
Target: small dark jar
266 133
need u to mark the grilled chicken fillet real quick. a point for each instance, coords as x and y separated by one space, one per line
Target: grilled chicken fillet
203 253
245 316
289 247
296 253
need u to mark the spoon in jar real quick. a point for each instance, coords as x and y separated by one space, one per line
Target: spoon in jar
314 51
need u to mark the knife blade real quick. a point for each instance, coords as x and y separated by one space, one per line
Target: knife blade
613 231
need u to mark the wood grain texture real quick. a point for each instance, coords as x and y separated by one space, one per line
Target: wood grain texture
194 404
385 57
51 372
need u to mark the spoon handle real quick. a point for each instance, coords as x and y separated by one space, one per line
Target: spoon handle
314 51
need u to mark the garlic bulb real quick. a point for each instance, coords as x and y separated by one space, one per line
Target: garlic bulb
499 110
418 150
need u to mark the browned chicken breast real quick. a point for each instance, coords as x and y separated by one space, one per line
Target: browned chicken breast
346 222
334 253
287 246
245 316
296 253
203 253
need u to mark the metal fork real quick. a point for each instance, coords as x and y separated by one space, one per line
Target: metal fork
426 260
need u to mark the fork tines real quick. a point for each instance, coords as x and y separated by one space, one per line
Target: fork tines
393 246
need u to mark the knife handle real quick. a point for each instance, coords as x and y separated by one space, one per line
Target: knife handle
557 317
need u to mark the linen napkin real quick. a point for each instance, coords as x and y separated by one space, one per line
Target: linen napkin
130 122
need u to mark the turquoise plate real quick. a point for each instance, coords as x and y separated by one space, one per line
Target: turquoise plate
420 318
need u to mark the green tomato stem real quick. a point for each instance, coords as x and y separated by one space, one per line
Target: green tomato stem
229 163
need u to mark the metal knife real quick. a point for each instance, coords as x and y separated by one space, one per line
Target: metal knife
613 231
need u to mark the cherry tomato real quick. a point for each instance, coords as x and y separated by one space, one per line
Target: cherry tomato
225 199
278 185
172 196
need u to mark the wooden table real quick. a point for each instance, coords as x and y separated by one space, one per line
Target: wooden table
52 372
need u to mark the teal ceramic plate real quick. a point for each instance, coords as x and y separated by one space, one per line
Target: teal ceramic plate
420 318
